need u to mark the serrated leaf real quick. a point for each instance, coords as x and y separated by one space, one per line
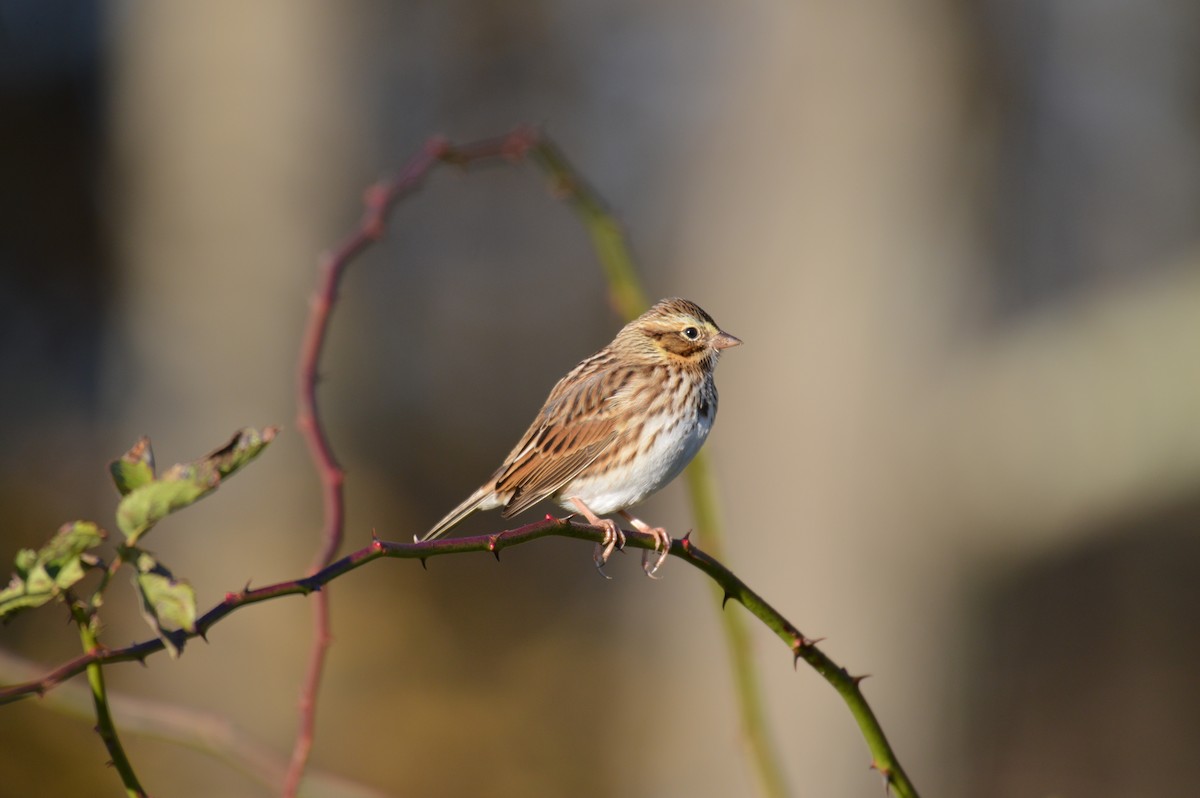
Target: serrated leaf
44 574
134 468
25 560
70 542
149 502
180 486
168 604
245 445
39 582
16 597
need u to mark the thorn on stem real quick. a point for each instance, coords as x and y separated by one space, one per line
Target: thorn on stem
798 650
376 195
725 599
562 187
519 142
375 200
437 146
424 567
857 680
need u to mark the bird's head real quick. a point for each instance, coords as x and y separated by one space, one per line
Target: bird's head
677 330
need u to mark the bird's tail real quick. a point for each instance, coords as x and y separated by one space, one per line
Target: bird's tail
482 499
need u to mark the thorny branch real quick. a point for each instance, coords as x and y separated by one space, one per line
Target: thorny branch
802 647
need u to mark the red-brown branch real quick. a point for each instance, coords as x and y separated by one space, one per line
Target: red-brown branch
378 201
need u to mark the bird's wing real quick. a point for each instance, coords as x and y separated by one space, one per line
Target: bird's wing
579 422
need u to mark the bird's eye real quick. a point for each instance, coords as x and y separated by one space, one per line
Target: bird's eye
691 333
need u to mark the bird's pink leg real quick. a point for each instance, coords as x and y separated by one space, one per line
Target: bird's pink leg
662 543
613 536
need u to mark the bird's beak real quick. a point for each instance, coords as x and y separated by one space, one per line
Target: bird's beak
724 340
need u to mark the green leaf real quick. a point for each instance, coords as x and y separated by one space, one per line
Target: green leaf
44 574
148 502
168 604
180 486
134 468
245 445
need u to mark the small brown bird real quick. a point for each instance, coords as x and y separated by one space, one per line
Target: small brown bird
617 428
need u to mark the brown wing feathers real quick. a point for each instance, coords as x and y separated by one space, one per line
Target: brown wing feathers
573 430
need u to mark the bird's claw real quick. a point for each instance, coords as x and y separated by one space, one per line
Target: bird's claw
614 538
662 545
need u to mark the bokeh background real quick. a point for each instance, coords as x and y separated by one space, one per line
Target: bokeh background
961 443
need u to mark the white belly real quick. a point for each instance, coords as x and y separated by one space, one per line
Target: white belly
674 445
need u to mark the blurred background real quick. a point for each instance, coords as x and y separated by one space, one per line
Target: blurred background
961 443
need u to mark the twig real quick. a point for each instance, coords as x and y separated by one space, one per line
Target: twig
702 487
198 730
378 202
329 472
608 238
307 726
802 647
629 300
104 722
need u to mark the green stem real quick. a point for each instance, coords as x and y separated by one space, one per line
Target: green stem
625 290
732 587
883 759
702 489
105 577
630 300
104 722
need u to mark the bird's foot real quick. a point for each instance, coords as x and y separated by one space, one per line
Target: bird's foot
662 544
614 538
